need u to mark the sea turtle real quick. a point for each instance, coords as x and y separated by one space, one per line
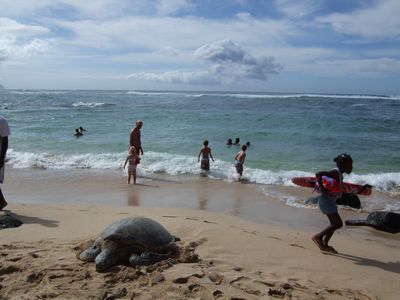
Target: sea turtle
139 240
380 220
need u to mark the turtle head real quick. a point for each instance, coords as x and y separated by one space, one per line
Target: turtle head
90 253
105 260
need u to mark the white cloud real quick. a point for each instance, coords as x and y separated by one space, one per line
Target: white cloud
229 63
10 48
353 68
379 22
180 33
99 9
298 9
178 77
19 40
9 27
363 67
170 7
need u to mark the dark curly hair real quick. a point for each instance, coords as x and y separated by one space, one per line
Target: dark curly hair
341 158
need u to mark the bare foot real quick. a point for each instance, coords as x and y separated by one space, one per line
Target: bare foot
329 249
318 241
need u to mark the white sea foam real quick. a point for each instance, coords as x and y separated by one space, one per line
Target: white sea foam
37 92
89 104
155 162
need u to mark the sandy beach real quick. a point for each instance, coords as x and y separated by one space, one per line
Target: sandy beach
236 243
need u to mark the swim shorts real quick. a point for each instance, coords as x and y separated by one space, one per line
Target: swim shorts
131 168
205 164
327 204
239 167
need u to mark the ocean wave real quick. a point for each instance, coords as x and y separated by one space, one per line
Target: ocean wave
197 94
37 92
269 96
156 162
304 96
91 104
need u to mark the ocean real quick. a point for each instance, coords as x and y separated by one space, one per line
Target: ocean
290 134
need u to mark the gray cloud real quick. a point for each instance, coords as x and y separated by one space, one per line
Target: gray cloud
229 63
231 60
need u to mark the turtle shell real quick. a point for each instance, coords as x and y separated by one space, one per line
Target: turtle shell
141 232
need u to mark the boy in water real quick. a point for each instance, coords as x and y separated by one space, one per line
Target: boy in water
205 154
239 161
327 200
133 160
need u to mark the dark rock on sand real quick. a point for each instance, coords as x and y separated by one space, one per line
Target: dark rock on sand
380 220
9 221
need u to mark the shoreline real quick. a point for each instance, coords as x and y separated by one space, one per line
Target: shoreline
109 188
249 245
251 201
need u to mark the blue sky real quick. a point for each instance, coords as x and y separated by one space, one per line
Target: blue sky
308 46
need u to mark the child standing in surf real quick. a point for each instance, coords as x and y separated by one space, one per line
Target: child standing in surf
205 154
327 200
133 160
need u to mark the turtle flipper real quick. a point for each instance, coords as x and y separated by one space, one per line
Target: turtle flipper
105 260
147 258
107 257
90 253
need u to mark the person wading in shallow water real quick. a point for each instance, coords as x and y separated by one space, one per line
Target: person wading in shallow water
205 154
239 161
135 138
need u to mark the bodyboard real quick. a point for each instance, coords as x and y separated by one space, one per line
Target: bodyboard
332 185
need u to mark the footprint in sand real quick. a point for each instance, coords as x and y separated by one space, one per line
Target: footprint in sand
247 285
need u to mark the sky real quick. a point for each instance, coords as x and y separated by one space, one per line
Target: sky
308 46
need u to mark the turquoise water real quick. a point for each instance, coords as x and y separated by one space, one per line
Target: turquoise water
290 134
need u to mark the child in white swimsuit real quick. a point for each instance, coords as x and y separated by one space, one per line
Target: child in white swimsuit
133 160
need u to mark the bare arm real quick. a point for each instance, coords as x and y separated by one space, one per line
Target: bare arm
211 156
126 161
332 174
198 157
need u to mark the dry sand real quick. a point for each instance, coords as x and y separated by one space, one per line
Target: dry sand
224 255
